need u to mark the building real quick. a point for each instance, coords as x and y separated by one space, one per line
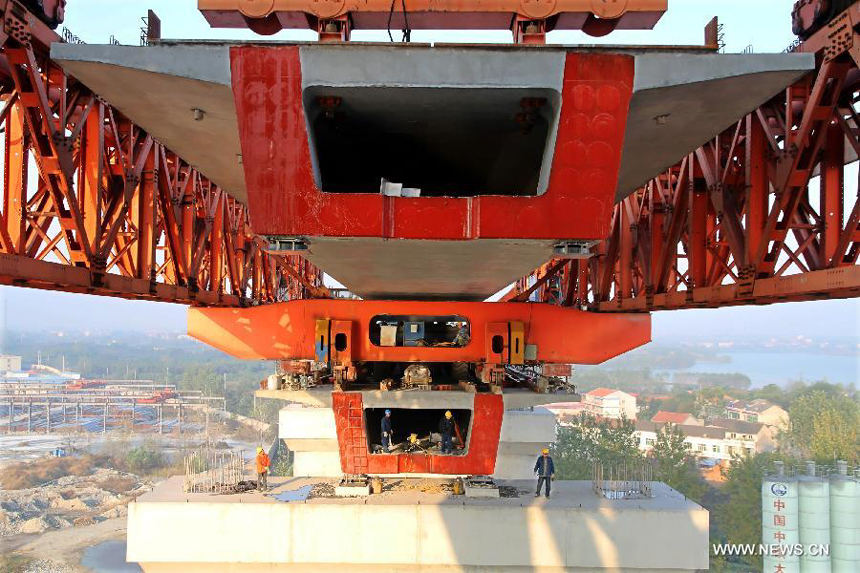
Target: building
746 437
702 441
721 439
10 363
565 412
758 410
608 403
677 418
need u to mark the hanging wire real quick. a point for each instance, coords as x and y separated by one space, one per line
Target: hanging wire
407 31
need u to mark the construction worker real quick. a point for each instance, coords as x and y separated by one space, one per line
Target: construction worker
462 338
386 431
262 469
446 428
545 471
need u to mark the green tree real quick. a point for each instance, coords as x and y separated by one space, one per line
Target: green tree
591 439
144 459
824 427
573 451
616 441
674 465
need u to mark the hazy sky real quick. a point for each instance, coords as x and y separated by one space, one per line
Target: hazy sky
763 24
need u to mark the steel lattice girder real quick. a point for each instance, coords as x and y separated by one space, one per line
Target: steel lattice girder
736 221
110 210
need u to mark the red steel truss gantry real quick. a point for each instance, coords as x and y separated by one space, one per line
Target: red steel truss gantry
92 203
739 221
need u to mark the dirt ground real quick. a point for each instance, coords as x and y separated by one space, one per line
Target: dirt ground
64 547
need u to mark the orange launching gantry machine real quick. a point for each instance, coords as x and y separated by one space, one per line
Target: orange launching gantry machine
231 175
528 20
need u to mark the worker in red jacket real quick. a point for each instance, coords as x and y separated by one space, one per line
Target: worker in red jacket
262 469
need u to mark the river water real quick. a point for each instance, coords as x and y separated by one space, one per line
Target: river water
783 368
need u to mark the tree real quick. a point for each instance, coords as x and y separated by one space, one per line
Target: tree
824 427
674 465
589 440
573 451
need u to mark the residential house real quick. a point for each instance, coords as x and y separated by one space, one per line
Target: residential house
678 418
758 410
745 437
608 403
702 441
774 418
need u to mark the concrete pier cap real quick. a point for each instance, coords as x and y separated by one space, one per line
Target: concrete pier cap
411 531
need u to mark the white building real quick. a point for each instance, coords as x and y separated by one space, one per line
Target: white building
702 441
760 411
721 440
608 403
10 363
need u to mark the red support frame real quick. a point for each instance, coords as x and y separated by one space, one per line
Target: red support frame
111 211
738 221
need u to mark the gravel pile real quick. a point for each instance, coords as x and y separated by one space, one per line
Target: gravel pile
44 566
322 489
68 501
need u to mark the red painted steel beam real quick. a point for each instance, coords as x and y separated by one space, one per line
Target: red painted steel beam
735 222
112 211
288 330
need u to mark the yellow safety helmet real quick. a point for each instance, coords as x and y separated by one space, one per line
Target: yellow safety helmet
448 414
259 449
545 451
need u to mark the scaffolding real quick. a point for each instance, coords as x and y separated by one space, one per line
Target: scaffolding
100 405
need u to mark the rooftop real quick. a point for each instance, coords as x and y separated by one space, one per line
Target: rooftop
671 417
758 405
603 392
737 426
689 430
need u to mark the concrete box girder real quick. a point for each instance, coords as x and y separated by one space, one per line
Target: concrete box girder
696 95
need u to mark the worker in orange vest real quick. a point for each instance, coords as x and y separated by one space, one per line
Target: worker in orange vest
262 469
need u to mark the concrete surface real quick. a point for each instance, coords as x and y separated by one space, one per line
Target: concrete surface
377 268
514 398
352 491
573 531
700 96
157 87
